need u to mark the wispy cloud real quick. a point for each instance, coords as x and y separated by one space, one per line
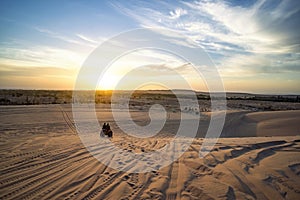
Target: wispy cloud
252 65
34 71
45 66
261 34
85 41
41 56
178 12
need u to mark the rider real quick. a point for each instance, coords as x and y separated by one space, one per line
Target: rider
104 127
106 130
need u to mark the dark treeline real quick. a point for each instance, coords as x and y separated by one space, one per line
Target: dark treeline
36 97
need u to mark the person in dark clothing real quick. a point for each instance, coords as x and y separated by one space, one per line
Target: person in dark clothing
104 126
106 130
109 131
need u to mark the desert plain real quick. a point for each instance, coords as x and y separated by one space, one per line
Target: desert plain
256 157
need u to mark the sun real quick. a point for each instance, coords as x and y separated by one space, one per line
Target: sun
108 82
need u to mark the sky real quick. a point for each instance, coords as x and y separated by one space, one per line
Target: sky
255 44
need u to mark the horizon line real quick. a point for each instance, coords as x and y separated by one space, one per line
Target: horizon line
124 90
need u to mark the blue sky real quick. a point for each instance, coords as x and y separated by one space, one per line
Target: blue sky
254 44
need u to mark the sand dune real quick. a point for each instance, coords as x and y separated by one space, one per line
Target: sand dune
276 122
271 123
46 160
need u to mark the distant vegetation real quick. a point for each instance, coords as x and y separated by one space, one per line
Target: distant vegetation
34 97
147 98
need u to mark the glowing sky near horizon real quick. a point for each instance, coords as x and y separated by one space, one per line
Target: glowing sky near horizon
255 44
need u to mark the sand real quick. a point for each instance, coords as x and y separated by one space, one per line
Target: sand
268 123
276 123
42 157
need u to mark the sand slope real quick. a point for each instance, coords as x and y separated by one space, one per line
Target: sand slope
276 122
60 168
271 123
46 160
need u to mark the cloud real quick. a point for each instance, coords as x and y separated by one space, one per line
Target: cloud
178 12
254 65
33 77
163 70
34 71
83 42
179 77
261 34
87 39
41 56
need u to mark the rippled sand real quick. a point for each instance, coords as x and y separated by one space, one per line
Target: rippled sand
42 157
